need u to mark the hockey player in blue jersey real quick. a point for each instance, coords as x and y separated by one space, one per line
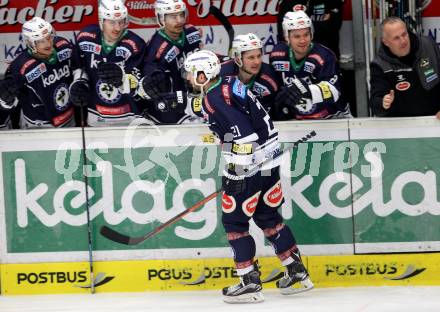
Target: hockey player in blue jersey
248 139
109 54
167 50
309 72
247 64
8 101
38 79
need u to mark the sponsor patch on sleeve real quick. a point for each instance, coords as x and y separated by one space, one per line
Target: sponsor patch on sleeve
239 89
325 90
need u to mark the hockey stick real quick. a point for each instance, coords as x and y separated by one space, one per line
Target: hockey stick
117 237
225 23
86 183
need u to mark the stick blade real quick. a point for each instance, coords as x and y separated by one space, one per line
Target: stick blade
114 236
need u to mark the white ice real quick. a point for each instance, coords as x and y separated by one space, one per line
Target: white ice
356 299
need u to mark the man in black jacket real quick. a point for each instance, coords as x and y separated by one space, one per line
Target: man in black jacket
405 74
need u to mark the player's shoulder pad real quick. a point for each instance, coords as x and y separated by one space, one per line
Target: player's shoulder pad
89 33
62 43
239 88
268 76
192 34
23 63
228 69
281 50
321 55
132 42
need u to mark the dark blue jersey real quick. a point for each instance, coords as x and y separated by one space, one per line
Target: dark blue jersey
44 86
5 120
236 116
264 85
168 55
108 103
319 69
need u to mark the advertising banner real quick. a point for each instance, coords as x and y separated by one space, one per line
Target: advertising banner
215 273
358 193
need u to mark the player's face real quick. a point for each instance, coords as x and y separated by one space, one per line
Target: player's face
252 61
44 46
396 38
299 41
174 23
191 81
112 29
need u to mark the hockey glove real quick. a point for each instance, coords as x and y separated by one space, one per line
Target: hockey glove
233 187
110 73
8 93
155 84
171 102
79 92
297 92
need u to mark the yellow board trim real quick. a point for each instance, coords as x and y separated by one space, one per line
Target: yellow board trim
208 274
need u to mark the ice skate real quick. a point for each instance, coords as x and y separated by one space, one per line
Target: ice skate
297 274
247 291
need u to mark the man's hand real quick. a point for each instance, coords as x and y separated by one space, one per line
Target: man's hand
388 99
8 93
79 92
155 84
438 115
110 73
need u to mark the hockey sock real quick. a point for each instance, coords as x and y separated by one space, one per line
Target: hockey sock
282 240
243 246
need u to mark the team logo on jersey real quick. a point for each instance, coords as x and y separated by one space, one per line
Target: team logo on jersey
123 52
228 203
61 96
36 72
107 93
250 205
309 67
91 47
64 54
403 86
305 107
274 195
281 65
193 37
260 90
56 75
172 54
239 89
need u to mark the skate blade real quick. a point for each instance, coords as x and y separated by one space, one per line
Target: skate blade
306 285
245 298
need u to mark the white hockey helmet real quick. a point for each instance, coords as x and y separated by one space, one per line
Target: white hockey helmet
204 61
242 43
34 30
296 20
162 7
113 10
